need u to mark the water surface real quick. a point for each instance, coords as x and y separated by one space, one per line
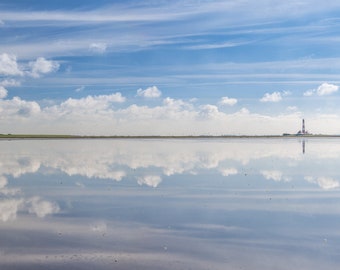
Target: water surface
170 204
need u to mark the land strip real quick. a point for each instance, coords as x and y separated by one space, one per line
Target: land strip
52 136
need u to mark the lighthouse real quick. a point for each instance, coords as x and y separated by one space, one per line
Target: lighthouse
303 131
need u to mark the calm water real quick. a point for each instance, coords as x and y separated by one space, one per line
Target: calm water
170 204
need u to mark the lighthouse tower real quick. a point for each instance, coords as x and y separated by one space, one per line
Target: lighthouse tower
303 131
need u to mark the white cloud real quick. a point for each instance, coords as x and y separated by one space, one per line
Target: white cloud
209 111
3 92
42 208
244 111
19 107
80 89
286 93
99 115
273 97
90 103
42 66
10 82
150 92
326 89
309 93
98 47
228 101
165 11
149 180
9 65
323 90
215 46
176 103
292 108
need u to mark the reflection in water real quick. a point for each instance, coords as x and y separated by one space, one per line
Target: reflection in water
169 204
303 146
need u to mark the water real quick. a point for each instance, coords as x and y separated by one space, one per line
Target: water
170 204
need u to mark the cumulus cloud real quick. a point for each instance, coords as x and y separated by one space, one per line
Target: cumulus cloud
3 92
26 108
149 180
228 101
90 103
326 89
101 115
273 97
10 82
244 111
17 106
323 90
208 111
9 65
42 66
176 103
150 92
97 115
98 47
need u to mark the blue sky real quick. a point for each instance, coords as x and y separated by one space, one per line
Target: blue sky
169 67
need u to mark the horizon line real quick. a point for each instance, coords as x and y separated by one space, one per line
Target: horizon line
66 136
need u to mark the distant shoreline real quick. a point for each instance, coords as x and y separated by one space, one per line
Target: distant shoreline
46 136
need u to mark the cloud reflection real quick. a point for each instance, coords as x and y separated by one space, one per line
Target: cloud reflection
274 175
11 206
228 171
176 198
41 208
148 161
12 200
149 180
9 209
323 182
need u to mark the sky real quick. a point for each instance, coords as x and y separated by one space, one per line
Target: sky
187 67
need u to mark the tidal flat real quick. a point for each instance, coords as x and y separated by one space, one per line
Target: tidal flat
202 203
